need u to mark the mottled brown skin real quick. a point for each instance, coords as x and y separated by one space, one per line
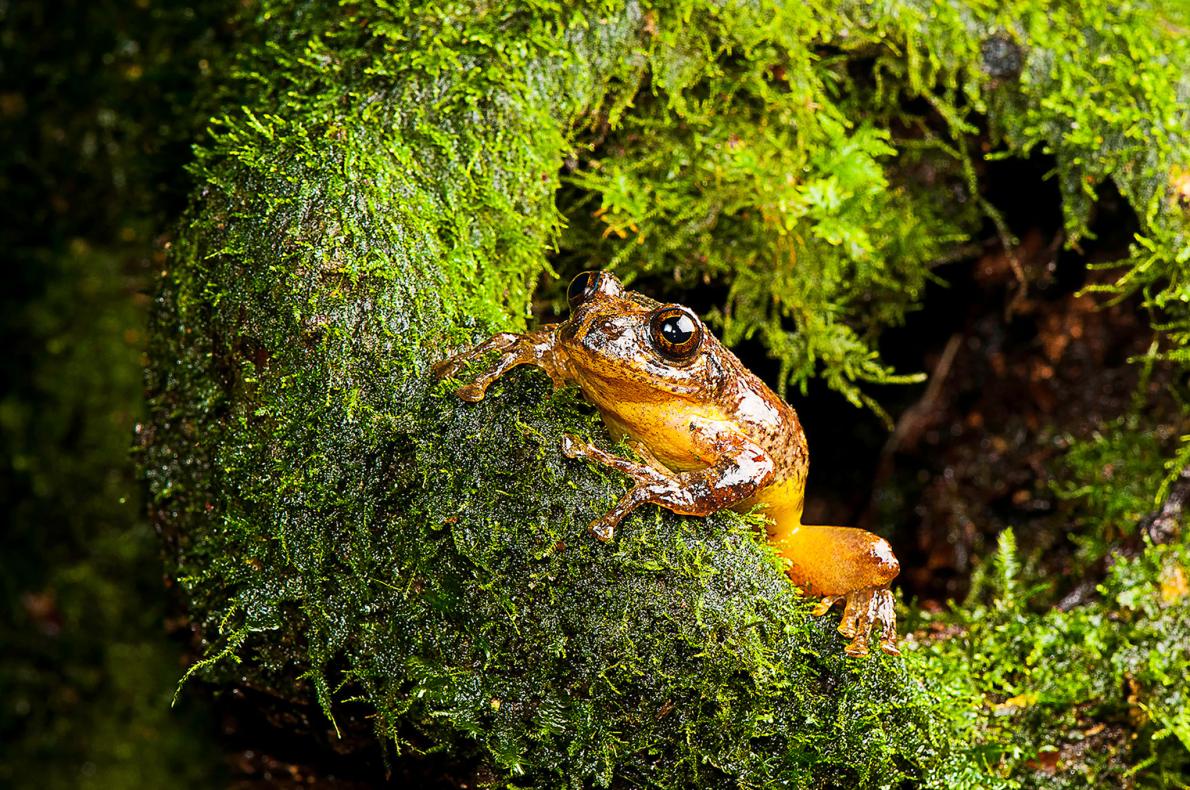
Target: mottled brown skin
712 435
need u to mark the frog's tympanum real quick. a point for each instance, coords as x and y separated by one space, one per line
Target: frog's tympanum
711 435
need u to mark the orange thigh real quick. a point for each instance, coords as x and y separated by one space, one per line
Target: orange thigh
836 560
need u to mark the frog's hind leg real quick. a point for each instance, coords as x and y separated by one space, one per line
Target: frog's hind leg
849 565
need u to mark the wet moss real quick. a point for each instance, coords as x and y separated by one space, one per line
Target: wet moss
381 188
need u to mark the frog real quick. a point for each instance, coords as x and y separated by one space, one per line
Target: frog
709 433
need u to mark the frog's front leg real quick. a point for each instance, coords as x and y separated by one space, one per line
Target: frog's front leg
534 348
742 470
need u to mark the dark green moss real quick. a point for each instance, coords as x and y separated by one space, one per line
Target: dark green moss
1076 693
88 671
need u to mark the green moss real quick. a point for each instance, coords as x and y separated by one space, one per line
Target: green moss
383 185
1110 484
1081 694
819 160
1091 696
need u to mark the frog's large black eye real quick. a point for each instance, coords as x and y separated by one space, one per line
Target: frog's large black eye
582 288
676 333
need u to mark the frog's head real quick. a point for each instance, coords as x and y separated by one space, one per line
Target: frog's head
620 340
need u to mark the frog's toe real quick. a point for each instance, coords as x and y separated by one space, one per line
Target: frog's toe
573 447
603 529
886 615
825 605
854 624
866 608
857 647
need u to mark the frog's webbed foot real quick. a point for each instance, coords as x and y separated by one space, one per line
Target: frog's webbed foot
534 348
863 609
744 470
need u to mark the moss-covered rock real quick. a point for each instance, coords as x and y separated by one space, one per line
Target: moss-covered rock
382 188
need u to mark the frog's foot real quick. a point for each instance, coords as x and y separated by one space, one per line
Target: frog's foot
452 364
864 609
474 392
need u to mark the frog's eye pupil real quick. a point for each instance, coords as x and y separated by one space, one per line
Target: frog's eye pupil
582 288
676 333
677 330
